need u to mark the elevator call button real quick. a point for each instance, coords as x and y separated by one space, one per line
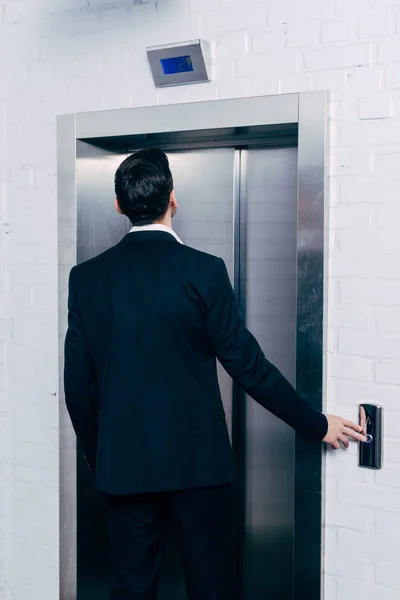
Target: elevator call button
370 451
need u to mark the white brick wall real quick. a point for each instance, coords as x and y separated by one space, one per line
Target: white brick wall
67 55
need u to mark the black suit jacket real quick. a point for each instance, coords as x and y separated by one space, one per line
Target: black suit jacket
147 320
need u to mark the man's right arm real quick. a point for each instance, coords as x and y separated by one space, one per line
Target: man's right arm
241 356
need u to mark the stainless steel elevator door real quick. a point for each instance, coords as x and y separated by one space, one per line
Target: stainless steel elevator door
270 197
203 182
208 195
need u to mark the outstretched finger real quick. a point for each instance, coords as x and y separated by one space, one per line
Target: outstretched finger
352 434
345 441
352 425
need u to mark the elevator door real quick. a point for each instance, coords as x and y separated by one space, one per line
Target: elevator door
241 206
269 193
204 187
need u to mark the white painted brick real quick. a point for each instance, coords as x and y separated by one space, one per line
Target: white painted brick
375 23
224 70
388 372
389 51
114 100
266 41
363 292
261 86
392 450
334 80
378 241
355 8
390 475
373 496
382 132
287 11
285 61
347 588
231 3
233 89
349 567
364 80
351 164
348 517
353 216
388 575
302 34
373 345
377 107
359 392
330 541
204 93
338 111
388 164
393 76
336 31
231 45
388 319
298 82
173 95
349 367
367 545
330 586
143 98
339 466
392 423
387 523
203 5
241 18
383 3
395 98
343 56
357 189
347 316
389 216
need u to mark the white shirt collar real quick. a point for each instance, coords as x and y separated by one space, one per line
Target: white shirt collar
156 227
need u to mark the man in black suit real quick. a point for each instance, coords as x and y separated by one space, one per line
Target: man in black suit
147 321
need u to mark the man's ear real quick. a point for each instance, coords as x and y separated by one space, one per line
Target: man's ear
173 202
117 206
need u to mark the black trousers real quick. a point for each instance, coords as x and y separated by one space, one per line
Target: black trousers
203 523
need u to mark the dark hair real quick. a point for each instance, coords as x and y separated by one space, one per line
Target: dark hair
143 185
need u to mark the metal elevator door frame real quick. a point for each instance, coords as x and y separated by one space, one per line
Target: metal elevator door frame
261 120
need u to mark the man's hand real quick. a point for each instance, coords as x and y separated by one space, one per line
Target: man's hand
341 430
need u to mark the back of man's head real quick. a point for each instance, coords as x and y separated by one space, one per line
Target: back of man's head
143 186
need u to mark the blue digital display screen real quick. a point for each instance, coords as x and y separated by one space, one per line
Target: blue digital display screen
177 64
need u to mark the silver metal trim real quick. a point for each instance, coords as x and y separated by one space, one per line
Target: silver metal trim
66 194
307 109
192 116
238 396
311 290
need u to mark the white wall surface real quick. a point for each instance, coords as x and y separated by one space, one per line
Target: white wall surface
60 56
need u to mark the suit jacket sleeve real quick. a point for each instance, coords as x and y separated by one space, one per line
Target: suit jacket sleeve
80 380
241 356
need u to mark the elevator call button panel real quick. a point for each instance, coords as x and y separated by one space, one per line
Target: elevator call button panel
180 64
370 451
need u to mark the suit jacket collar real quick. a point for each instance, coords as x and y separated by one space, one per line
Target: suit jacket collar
149 236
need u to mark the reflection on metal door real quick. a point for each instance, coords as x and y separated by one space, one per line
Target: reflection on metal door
270 191
203 182
211 186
